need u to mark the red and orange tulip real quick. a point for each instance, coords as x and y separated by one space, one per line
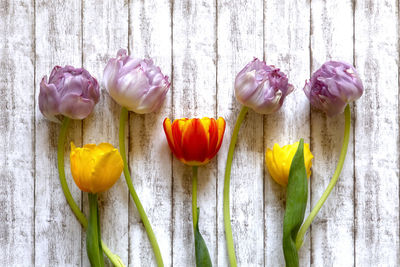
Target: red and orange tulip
195 141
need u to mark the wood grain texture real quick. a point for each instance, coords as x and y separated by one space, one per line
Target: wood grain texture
101 40
17 158
240 38
194 95
376 135
149 154
286 47
332 235
202 45
57 231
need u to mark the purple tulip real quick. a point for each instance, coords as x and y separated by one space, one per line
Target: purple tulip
261 87
333 86
135 84
70 92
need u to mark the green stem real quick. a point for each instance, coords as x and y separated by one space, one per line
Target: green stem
332 183
60 158
142 213
227 216
71 202
93 234
194 197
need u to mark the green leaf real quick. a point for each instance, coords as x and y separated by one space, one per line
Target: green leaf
202 255
296 202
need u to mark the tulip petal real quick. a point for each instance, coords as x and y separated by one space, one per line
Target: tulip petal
279 160
49 100
177 129
194 141
220 129
212 133
110 73
82 166
71 92
95 168
136 84
153 99
76 107
261 87
168 132
333 86
107 171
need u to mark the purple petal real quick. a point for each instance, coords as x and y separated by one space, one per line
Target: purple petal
48 100
76 107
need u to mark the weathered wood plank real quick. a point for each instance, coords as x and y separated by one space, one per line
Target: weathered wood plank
347 232
332 235
149 155
240 38
376 135
194 95
17 163
101 40
286 38
57 231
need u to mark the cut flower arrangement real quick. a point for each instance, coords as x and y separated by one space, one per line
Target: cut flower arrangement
138 85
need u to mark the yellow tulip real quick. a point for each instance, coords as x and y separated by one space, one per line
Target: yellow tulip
95 168
279 160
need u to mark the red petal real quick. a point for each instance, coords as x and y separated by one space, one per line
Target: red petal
213 133
177 136
195 141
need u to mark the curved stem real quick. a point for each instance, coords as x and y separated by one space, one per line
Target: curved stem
71 202
194 197
227 216
115 259
142 213
332 183
61 172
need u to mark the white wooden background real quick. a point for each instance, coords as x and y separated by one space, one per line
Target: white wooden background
201 45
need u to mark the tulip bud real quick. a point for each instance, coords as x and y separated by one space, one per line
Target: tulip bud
333 86
279 160
195 141
95 168
261 87
135 84
70 92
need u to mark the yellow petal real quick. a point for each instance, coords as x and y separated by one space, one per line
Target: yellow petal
82 165
168 131
94 168
279 160
308 156
221 124
107 171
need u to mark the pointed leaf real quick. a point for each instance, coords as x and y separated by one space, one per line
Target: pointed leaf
202 254
296 202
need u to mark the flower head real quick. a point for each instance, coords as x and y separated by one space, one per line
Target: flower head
261 87
70 92
136 84
333 86
95 168
194 141
279 160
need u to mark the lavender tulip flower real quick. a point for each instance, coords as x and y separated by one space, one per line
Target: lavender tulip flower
70 92
261 87
330 89
333 86
135 84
